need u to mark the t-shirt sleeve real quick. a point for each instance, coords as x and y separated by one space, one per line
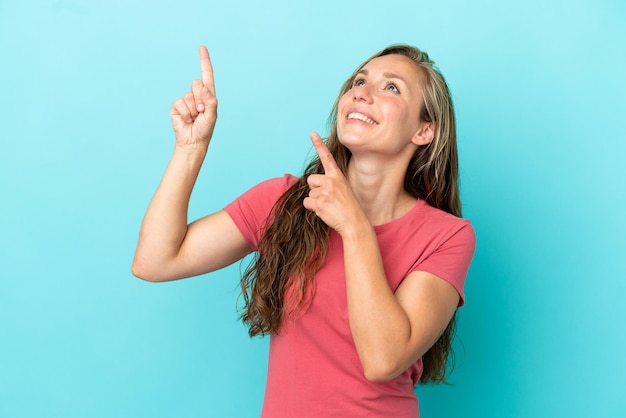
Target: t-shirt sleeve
452 257
250 210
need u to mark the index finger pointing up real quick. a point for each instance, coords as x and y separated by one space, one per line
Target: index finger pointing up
207 69
327 159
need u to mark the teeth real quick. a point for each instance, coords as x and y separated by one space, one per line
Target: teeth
360 116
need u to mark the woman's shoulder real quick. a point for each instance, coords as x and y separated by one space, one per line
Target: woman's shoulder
251 210
441 216
286 181
426 223
440 222
272 187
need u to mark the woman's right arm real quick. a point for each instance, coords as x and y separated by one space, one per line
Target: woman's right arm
169 248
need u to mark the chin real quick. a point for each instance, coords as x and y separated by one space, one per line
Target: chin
349 140
349 136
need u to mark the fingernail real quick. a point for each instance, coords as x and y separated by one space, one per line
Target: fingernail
200 107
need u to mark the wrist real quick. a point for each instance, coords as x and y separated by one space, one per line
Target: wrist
358 232
190 155
191 151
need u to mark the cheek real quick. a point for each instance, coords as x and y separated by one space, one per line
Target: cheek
342 106
404 112
395 111
401 119
344 100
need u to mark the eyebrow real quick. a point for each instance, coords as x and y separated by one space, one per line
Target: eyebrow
386 75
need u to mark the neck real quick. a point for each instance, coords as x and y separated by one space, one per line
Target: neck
380 189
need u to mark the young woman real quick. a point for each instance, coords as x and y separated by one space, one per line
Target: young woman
359 263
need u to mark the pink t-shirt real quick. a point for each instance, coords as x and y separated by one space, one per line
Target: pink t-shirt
314 369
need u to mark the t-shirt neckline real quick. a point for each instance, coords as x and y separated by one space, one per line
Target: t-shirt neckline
383 227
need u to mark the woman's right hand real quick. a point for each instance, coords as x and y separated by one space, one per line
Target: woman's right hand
194 115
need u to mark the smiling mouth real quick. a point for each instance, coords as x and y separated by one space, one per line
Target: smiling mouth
361 117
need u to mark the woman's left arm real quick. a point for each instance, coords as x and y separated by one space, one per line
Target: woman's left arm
391 330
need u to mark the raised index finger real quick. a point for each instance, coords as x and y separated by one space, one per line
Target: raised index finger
207 69
327 159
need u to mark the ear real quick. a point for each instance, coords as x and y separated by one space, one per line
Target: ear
424 134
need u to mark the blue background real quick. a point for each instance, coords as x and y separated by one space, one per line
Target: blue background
85 135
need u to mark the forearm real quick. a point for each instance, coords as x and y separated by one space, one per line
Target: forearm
165 222
379 325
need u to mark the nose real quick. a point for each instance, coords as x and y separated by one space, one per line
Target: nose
361 94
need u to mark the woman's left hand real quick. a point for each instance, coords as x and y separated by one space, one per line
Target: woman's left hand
331 197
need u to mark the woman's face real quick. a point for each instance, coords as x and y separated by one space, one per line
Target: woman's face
380 112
